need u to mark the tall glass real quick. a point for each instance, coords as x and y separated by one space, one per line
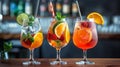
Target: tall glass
58 37
85 37
31 38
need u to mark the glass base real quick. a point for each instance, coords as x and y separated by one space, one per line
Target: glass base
85 62
58 62
31 62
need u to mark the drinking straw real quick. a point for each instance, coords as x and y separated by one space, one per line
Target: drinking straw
51 9
79 10
36 11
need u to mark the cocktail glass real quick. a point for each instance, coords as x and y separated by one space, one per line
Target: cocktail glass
31 38
85 37
58 37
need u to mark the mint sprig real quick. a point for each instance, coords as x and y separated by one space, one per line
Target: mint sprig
59 16
7 46
31 20
27 36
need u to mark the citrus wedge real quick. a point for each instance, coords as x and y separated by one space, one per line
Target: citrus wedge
67 34
97 17
21 17
59 29
38 39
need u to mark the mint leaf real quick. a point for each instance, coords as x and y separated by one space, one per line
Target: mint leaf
59 16
27 36
63 17
31 39
30 23
58 43
7 46
31 18
24 36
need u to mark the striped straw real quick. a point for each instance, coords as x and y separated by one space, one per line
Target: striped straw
51 9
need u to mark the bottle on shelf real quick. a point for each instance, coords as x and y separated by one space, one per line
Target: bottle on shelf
5 7
20 7
74 9
0 6
59 6
28 7
43 8
13 8
1 16
66 8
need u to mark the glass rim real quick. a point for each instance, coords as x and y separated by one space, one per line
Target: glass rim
89 20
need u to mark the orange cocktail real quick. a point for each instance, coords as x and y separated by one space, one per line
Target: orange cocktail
85 37
85 34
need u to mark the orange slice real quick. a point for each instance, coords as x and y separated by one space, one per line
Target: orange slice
53 43
97 18
84 35
38 39
59 29
67 34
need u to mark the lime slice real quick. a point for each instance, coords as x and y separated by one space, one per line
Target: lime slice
22 17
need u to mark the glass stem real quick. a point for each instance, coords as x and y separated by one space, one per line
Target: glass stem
31 58
84 55
58 55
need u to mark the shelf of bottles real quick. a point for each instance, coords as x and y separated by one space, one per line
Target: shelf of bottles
9 9
12 8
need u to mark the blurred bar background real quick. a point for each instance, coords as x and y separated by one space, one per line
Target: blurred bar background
108 45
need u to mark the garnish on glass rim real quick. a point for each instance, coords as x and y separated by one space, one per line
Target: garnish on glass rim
98 18
28 19
59 16
59 26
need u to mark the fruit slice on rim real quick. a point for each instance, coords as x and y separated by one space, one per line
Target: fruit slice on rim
38 39
97 17
84 35
59 29
21 17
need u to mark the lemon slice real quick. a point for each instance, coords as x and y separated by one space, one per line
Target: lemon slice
21 17
97 17
59 29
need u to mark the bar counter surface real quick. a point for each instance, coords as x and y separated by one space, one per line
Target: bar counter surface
99 62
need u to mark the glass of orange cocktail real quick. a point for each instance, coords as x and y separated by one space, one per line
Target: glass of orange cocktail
58 36
85 37
31 38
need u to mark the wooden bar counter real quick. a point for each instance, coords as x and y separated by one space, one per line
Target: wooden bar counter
99 62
